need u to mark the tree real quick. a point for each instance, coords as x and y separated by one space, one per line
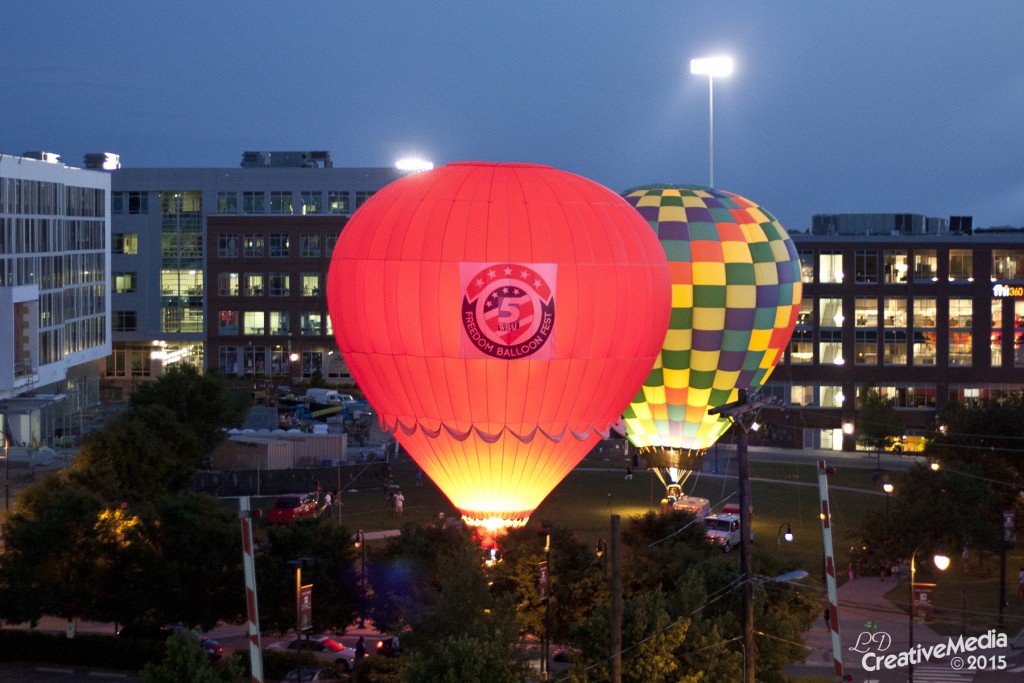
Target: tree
116 537
878 424
139 457
456 659
186 661
335 584
206 403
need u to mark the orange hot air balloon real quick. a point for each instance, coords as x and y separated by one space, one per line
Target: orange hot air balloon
498 318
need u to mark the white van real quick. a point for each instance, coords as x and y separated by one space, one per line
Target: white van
723 530
324 396
698 507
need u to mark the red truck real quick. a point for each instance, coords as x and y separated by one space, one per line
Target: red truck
289 508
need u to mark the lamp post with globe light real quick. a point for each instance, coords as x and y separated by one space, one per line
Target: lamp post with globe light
941 563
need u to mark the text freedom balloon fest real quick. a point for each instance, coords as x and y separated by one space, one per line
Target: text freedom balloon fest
498 318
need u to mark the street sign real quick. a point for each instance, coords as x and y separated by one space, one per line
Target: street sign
544 580
306 608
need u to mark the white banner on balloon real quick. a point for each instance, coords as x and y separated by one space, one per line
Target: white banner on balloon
508 310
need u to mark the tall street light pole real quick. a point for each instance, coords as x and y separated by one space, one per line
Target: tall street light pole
711 67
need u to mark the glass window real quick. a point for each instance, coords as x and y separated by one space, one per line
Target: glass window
309 246
830 347
806 265
1007 264
329 243
801 347
926 265
227 202
138 202
228 322
279 284
312 363
255 359
866 311
831 312
896 266
312 202
227 245
924 313
801 395
124 243
253 245
362 196
117 203
124 283
253 284
338 202
895 347
960 347
961 265
281 203
806 315
960 313
253 203
865 347
228 360
279 245
278 322
830 266
227 284
311 323
124 321
1018 334
924 347
996 338
895 312
831 396
865 265
254 322
311 284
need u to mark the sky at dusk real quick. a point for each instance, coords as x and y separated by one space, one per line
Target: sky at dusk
869 106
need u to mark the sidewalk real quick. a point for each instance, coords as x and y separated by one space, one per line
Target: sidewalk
861 604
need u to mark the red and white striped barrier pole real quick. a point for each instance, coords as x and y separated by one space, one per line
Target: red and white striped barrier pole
830 572
245 514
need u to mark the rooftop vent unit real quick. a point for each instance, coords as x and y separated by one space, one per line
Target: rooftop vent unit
319 159
48 157
105 161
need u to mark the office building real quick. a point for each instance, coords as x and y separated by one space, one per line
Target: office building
54 294
925 310
225 267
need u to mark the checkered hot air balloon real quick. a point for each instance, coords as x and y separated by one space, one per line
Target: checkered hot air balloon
735 299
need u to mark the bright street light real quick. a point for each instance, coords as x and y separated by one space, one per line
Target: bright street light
711 67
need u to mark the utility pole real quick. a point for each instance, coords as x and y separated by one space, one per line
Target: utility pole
616 607
742 413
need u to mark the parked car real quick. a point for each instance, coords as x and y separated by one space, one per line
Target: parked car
314 674
327 651
388 646
156 632
562 658
289 508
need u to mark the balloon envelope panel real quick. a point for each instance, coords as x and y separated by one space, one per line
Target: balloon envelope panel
498 317
735 299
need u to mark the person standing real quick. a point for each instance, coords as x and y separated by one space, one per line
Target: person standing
328 502
360 650
399 502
